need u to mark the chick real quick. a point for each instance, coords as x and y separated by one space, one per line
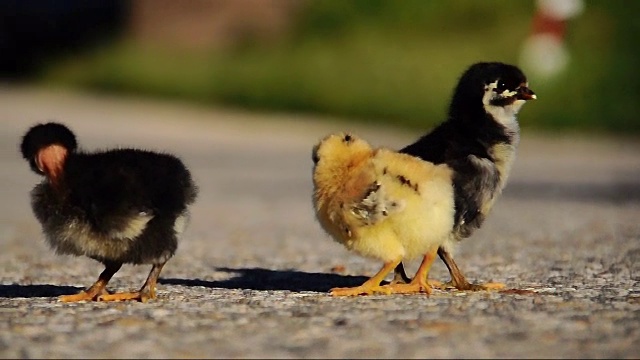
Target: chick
116 206
383 205
478 141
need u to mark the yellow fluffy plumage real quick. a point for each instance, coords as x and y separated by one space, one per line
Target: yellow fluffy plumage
383 205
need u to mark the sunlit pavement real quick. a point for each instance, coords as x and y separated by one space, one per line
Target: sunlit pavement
251 276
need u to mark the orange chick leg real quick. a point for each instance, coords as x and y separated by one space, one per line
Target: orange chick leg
97 289
419 282
370 286
457 278
146 292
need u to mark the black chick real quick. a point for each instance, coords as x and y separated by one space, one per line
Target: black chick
478 141
117 206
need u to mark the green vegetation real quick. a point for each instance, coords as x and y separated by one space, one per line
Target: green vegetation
390 61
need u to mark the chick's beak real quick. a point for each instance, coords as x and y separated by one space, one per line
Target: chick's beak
524 93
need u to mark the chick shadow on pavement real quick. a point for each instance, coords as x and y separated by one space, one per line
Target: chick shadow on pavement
34 291
267 279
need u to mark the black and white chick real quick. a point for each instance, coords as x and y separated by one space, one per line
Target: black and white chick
121 206
478 141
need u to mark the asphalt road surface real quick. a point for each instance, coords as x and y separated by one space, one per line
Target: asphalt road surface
252 273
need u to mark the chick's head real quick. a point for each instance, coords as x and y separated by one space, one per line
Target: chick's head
340 150
338 158
492 85
46 147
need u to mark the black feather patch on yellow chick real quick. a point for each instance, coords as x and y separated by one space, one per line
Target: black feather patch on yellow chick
382 204
116 206
478 141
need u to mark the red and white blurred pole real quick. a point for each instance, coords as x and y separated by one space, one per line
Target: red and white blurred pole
544 53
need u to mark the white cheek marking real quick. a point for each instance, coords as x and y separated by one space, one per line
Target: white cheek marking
488 93
491 86
505 115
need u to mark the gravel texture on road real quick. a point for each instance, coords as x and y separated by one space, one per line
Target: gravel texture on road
252 273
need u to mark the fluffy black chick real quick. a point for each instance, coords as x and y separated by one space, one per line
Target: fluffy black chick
478 141
116 206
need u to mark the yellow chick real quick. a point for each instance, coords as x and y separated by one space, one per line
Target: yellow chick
383 205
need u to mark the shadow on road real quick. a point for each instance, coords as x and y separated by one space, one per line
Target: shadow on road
266 279
249 279
32 291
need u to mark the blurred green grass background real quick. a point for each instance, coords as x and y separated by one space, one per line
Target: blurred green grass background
391 62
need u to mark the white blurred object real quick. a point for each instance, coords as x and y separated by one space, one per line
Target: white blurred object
561 9
544 53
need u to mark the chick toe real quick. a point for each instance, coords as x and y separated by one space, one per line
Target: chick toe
466 286
487 286
84 295
142 296
81 296
410 288
364 289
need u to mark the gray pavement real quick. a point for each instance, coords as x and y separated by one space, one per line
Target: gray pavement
251 275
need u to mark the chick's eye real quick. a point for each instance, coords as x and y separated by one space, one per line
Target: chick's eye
315 157
347 138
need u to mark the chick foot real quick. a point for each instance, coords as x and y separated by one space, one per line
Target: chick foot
99 288
392 288
148 290
419 283
84 295
411 288
414 287
142 296
458 280
361 290
371 286
398 280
